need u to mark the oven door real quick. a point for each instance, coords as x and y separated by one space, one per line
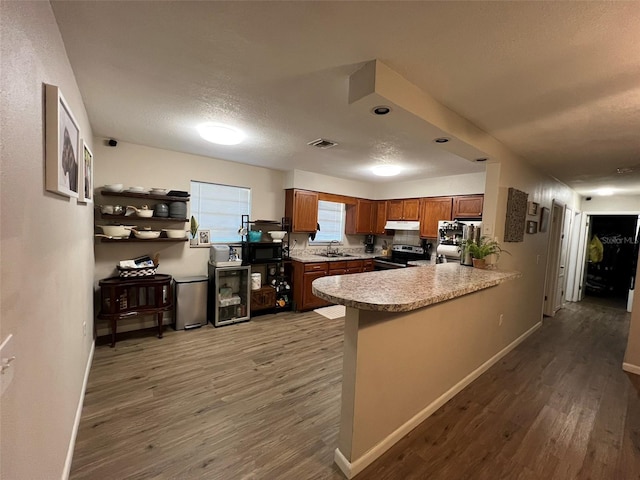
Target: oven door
262 252
386 265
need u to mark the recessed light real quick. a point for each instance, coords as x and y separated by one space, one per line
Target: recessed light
441 140
605 192
381 110
386 170
482 159
220 134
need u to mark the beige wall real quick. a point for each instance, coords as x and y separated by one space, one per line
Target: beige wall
132 164
612 204
632 354
433 187
46 254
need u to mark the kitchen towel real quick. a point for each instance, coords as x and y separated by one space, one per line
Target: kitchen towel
332 312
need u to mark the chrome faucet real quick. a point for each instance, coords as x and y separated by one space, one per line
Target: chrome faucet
329 250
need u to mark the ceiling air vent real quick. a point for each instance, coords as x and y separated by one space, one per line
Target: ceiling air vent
322 143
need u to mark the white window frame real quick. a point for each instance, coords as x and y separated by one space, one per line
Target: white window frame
329 228
225 228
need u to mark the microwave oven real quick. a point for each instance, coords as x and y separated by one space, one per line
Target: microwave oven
259 252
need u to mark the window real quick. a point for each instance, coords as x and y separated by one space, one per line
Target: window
219 209
331 220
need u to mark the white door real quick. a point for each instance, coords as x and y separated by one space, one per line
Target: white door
561 283
555 277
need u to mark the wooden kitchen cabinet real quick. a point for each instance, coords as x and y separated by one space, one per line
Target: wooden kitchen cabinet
434 209
468 206
367 265
303 276
381 217
354 266
301 206
407 209
262 299
361 217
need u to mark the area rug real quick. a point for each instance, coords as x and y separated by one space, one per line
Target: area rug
332 312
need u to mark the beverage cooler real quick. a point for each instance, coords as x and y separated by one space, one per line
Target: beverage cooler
229 294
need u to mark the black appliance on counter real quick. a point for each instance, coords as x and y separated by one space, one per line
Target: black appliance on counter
400 256
369 240
261 252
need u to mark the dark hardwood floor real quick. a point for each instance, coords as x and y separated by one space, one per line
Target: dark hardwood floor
261 400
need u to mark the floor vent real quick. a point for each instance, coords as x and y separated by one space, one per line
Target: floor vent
322 143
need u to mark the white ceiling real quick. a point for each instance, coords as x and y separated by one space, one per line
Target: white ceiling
557 82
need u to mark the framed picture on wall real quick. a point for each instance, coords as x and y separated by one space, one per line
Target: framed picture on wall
204 237
62 145
532 208
85 184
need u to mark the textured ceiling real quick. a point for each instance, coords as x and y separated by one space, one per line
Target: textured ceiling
557 82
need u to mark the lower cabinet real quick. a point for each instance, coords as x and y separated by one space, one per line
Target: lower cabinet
263 299
305 273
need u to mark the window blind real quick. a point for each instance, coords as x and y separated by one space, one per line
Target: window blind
331 217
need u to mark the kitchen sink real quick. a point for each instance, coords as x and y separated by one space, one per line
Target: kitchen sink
332 255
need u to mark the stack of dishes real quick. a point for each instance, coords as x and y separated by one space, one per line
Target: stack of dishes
137 190
178 210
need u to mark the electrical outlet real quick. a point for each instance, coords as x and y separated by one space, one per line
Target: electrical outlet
84 328
500 320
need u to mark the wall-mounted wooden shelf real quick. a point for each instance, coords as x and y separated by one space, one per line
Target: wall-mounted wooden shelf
146 196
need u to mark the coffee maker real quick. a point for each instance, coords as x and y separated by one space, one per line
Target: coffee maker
368 243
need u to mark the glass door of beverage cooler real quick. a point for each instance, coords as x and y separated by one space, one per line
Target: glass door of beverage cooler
232 295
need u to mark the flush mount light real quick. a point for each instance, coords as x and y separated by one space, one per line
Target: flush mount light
441 140
381 110
220 134
386 170
604 192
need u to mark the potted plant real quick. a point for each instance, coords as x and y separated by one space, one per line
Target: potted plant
194 231
481 249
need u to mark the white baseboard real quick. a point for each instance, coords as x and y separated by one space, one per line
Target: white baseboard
76 422
629 367
351 469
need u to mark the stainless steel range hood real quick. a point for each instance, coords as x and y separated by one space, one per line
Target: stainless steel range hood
401 225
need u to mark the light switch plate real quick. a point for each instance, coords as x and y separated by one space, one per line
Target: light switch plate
6 353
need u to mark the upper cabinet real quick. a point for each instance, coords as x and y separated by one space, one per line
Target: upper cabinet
361 217
301 206
381 217
407 209
468 206
433 210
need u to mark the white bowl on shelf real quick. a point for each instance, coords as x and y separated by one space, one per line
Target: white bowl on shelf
175 233
158 191
115 187
277 235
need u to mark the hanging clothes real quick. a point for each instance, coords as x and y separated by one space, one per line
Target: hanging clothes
596 250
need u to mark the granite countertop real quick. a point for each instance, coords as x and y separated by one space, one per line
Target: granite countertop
311 258
406 289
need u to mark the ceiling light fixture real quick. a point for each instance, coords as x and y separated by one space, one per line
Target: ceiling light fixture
220 134
441 140
381 110
482 159
386 170
604 192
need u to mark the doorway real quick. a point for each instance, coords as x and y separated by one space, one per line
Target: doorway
612 252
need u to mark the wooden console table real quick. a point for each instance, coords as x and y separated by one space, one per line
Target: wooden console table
129 297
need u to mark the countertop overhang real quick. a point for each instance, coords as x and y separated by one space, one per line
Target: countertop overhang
406 289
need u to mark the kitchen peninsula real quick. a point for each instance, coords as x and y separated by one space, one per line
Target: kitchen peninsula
413 338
